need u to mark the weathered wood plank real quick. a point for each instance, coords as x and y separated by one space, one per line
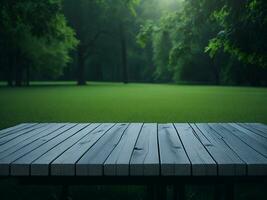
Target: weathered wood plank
173 158
91 163
202 163
6 161
229 164
256 163
24 137
22 132
253 140
254 130
258 126
118 162
6 130
261 139
51 128
21 167
40 167
15 129
145 157
64 165
137 149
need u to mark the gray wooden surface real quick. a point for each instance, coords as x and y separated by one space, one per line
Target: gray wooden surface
134 149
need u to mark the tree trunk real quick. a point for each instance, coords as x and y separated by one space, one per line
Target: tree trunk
19 71
81 67
99 73
27 80
10 71
123 54
18 77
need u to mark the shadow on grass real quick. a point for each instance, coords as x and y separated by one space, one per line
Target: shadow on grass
63 84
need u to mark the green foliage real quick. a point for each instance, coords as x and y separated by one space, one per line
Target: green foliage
228 31
145 33
244 24
162 46
218 42
187 32
131 4
214 45
50 55
35 33
102 27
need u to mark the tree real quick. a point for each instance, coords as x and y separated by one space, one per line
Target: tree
119 13
178 38
92 20
31 45
243 31
231 32
88 20
218 42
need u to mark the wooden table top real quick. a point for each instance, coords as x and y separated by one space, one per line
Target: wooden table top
134 149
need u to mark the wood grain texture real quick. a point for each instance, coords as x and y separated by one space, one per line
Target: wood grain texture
253 140
145 157
64 165
9 137
135 149
254 130
19 145
256 163
24 137
41 166
21 167
173 158
7 160
14 129
229 164
202 163
91 163
257 126
118 163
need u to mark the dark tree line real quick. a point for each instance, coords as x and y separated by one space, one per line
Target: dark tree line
192 41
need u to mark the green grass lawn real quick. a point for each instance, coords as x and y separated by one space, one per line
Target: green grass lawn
114 102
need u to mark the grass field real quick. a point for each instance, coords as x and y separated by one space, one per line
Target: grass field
114 102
